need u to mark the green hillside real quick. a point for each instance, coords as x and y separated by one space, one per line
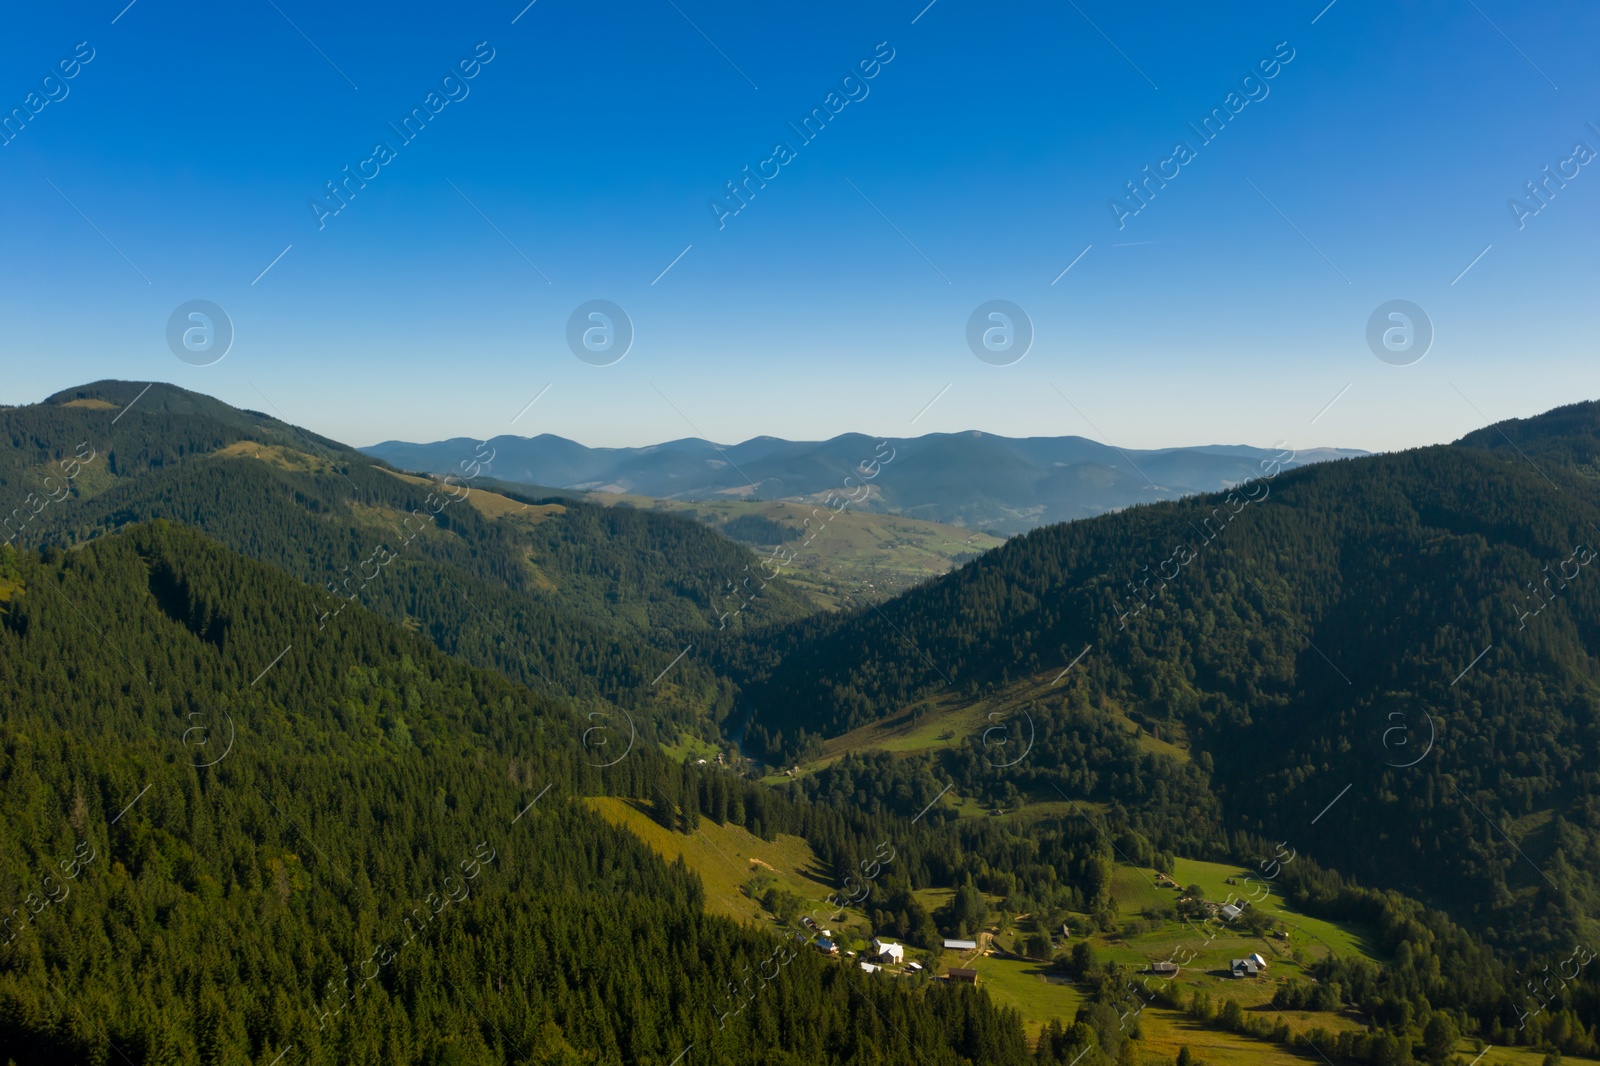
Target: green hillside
1300 650
1349 659
595 603
352 666
232 841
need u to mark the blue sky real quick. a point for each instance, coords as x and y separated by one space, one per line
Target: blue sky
977 165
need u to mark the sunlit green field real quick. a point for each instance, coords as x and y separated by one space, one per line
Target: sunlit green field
725 857
1315 935
1163 1033
1024 985
859 556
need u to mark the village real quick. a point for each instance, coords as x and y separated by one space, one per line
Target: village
882 954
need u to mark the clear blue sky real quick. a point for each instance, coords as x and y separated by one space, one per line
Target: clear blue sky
977 166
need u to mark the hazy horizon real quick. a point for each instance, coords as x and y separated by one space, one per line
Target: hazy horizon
513 431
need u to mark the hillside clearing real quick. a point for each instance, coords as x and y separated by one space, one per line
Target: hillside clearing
725 857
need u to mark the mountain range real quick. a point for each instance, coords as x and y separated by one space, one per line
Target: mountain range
1000 485
361 765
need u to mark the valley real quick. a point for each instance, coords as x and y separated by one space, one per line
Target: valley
1079 792
938 619
856 558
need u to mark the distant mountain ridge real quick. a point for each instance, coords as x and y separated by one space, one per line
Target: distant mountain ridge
981 480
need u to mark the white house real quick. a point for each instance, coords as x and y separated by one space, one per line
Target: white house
1258 960
867 966
1230 912
960 945
889 952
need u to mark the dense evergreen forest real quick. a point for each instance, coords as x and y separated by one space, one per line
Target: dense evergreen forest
250 806
216 861
1420 627
585 603
1317 637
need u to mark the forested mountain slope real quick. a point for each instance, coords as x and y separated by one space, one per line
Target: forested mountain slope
235 839
315 773
590 601
1568 435
1422 627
